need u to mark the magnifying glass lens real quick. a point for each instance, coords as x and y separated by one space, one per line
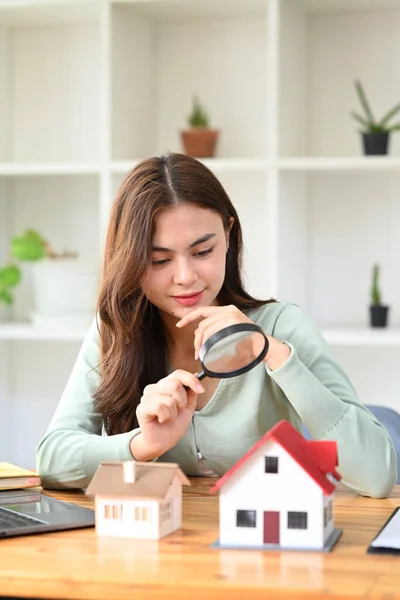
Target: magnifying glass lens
234 352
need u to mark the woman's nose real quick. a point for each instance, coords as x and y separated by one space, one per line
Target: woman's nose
185 274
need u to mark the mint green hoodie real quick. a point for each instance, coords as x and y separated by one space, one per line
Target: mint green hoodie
309 387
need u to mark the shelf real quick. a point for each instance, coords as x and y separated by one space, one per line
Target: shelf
218 164
26 331
361 336
345 5
351 163
356 336
172 9
10 169
28 12
215 164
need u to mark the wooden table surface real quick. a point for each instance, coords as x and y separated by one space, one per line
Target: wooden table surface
77 564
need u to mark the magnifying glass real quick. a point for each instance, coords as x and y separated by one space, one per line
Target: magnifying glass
233 351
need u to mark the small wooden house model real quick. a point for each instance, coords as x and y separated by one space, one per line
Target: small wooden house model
279 495
137 500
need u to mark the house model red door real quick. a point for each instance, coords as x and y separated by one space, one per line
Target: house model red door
271 527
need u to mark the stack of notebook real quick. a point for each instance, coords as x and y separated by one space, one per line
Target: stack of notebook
13 477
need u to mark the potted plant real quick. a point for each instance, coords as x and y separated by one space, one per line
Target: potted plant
199 140
378 311
375 134
63 285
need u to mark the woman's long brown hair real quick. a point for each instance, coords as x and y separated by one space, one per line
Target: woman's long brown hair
132 342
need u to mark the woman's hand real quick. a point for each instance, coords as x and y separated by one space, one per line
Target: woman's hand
214 318
164 414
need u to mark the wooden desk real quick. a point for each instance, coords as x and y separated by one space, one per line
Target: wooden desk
75 564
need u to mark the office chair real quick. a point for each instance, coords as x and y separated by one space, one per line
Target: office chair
390 419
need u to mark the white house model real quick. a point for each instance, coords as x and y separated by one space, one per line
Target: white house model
279 495
137 500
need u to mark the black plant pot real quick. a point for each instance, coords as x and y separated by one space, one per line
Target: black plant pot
375 143
378 314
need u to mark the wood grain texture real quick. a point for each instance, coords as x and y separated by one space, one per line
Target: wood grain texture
75 564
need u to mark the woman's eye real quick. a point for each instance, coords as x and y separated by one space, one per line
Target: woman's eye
205 252
158 263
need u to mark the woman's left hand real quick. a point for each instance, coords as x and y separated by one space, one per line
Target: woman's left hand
214 318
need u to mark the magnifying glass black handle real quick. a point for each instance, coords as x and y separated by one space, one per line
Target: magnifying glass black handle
199 376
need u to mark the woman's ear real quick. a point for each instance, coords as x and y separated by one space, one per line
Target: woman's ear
228 231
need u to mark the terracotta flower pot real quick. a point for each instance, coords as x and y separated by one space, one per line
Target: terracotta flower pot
199 142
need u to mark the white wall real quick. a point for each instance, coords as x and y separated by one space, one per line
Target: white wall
293 69
54 77
249 196
221 60
64 211
295 283
4 94
5 407
353 223
37 373
342 47
373 371
133 119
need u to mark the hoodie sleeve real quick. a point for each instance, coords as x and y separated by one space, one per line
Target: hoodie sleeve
73 445
327 403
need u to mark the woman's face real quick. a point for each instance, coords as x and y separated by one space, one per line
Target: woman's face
188 260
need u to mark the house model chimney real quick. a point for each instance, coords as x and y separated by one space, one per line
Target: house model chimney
129 473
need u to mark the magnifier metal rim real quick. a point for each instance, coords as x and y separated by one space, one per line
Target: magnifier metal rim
225 332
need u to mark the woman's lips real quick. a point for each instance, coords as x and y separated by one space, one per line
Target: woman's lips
189 300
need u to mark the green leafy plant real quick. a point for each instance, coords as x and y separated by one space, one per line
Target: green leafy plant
375 289
10 276
28 247
198 116
368 122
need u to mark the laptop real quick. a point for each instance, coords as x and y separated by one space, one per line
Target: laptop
24 512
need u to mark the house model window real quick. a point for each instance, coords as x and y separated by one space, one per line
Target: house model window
328 513
297 520
271 464
246 518
142 513
166 510
113 511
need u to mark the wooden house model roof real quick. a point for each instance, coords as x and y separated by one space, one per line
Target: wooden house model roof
152 479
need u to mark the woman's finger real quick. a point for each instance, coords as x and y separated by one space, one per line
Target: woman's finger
174 388
187 379
172 405
198 313
153 408
206 329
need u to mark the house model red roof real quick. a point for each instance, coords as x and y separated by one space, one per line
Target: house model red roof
318 459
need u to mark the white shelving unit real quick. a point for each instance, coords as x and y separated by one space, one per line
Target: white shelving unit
26 331
88 88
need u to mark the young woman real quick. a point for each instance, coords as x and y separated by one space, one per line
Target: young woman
172 278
